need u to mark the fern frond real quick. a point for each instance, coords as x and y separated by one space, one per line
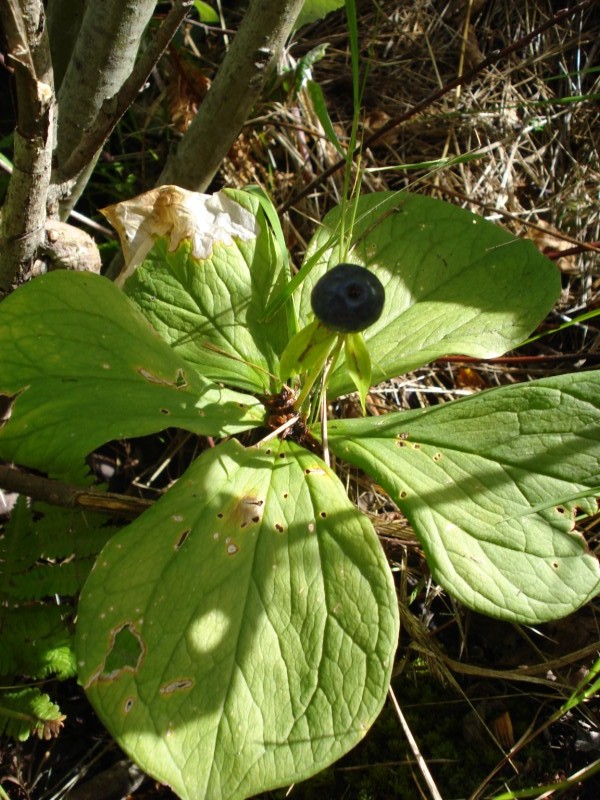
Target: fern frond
34 641
47 580
28 711
62 533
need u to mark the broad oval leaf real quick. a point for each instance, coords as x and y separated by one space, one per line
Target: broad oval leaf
81 366
477 477
240 635
454 282
210 306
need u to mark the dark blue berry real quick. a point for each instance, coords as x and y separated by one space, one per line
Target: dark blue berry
348 298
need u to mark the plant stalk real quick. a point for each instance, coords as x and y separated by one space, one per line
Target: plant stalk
24 211
104 56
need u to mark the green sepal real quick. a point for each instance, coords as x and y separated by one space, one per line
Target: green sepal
308 349
358 362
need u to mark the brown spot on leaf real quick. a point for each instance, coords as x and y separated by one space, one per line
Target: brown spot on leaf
128 705
178 685
249 509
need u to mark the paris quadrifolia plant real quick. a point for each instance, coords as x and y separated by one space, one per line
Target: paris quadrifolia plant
240 634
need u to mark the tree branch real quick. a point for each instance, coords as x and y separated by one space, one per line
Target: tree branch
104 56
113 108
61 494
235 89
64 20
24 211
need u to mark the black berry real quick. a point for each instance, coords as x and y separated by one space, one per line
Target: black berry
348 298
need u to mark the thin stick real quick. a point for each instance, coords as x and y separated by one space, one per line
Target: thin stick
415 748
283 427
68 496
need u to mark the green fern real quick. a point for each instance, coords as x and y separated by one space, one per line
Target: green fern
46 554
28 711
36 642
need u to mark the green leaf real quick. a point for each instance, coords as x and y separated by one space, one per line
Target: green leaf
320 106
211 308
309 348
84 367
468 475
455 283
259 622
26 711
312 10
206 12
303 70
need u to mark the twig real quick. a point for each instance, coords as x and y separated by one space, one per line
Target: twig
24 212
113 108
62 494
494 57
519 359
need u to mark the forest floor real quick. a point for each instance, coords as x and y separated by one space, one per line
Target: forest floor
517 143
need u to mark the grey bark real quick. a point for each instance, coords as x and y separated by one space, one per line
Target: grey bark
24 211
235 89
104 56
64 20
113 108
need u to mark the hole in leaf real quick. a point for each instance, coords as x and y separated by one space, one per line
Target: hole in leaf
165 411
182 537
278 527
6 404
323 514
126 652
